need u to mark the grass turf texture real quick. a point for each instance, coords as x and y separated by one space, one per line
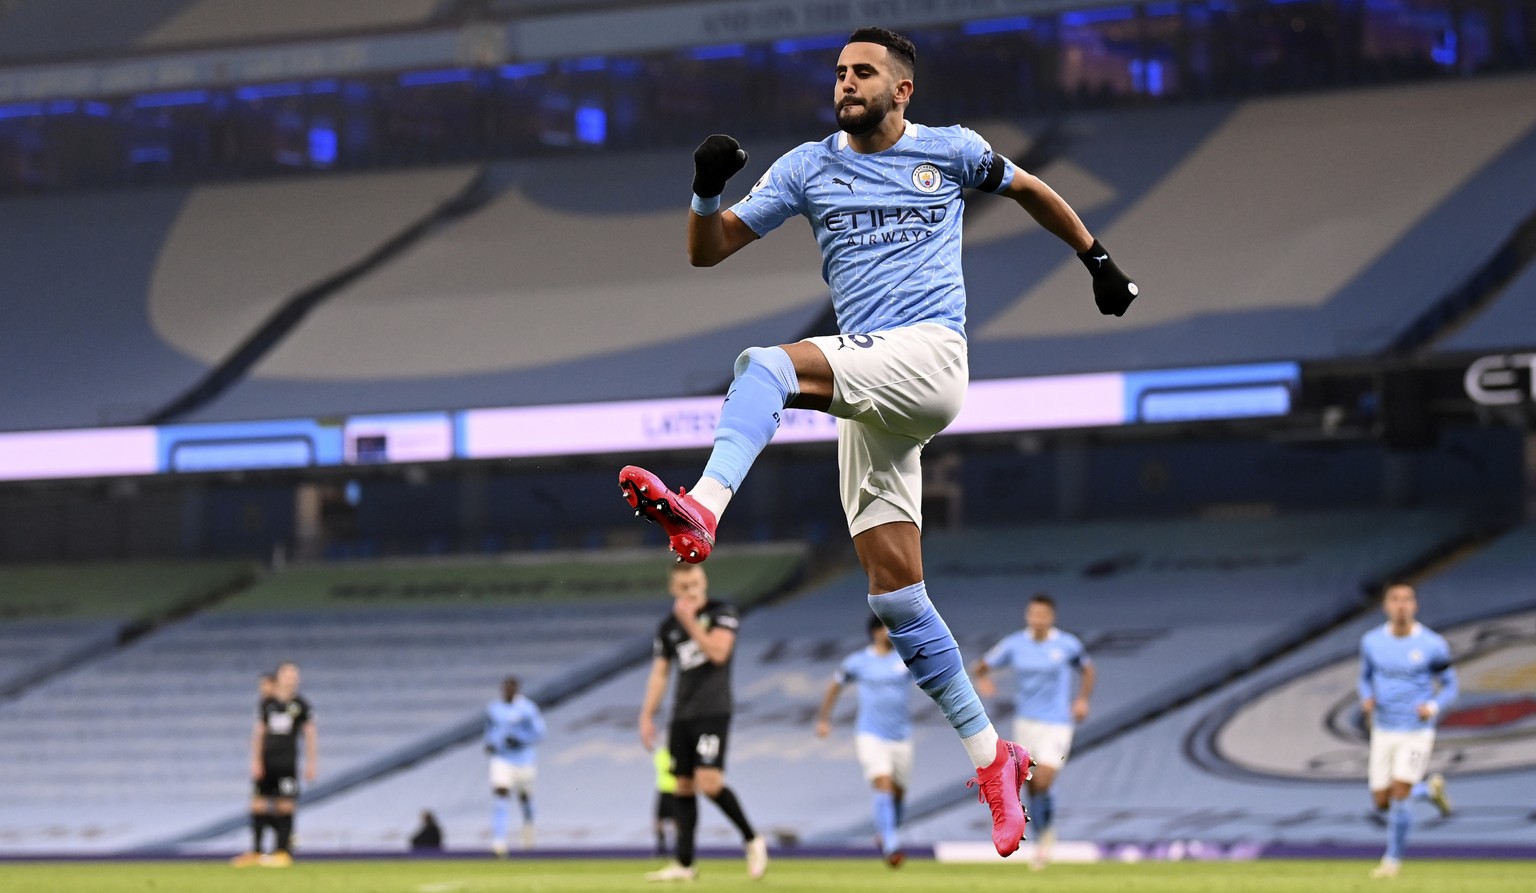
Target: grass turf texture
842 876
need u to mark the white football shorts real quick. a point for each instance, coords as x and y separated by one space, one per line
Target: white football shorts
1398 756
515 778
892 392
1048 743
880 756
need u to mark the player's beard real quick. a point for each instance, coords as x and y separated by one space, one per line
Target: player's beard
866 117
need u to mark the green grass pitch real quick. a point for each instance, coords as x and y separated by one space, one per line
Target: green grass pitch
852 876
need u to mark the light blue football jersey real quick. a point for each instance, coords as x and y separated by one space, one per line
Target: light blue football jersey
883 683
1042 672
888 223
1400 672
518 719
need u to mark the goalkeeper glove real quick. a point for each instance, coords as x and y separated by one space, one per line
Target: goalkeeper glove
716 160
1113 291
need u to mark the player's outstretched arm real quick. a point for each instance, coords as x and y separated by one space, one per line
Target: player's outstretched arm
1113 291
655 689
1445 675
311 751
824 715
489 732
256 734
537 728
981 678
713 235
1085 685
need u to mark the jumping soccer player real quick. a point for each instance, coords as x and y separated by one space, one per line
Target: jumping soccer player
700 635
1401 664
883 197
882 729
1043 659
513 725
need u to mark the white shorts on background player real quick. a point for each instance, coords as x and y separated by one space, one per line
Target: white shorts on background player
892 392
1048 743
1399 756
511 776
881 756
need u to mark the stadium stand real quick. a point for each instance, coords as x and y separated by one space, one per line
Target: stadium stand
57 616
1278 755
1509 322
206 22
1141 595
173 280
561 240
1271 272
565 242
1286 233
31 29
392 655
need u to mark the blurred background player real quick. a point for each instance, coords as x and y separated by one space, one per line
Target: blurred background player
1043 660
264 686
513 725
666 799
700 635
1401 664
282 718
882 729
884 197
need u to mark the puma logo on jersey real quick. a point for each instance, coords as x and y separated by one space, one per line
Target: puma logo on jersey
849 183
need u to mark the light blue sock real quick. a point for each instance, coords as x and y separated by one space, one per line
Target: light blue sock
1399 823
885 821
1419 791
931 654
765 383
527 804
901 809
1047 809
499 819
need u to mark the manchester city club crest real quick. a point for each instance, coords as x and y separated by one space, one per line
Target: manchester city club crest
927 178
1308 727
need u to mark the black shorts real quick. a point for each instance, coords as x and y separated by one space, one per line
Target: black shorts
278 780
698 743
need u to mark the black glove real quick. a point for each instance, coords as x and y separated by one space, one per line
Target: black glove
716 160
513 743
1113 291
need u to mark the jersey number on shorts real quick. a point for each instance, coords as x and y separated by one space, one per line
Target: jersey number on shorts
845 341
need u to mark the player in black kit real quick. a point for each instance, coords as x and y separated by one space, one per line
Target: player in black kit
283 717
701 637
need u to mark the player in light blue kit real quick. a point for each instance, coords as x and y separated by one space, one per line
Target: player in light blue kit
513 725
1045 711
1402 662
882 729
883 196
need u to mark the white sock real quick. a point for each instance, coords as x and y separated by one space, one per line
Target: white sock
982 747
711 494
